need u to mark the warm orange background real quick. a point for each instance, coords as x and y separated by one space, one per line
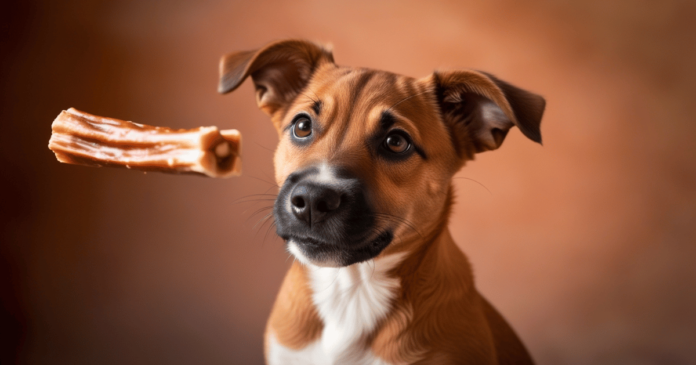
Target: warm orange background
586 245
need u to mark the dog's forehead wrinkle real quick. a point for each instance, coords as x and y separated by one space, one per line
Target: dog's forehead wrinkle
402 89
353 102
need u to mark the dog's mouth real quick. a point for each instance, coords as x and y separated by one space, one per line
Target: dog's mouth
323 253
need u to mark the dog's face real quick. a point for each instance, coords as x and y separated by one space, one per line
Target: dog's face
357 163
365 157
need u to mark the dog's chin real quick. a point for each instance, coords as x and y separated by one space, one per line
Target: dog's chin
321 254
295 247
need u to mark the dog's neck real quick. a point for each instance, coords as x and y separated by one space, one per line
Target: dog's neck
351 302
354 301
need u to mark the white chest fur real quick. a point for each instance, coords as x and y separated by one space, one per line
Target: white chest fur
350 301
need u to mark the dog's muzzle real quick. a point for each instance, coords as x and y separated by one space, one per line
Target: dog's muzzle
324 216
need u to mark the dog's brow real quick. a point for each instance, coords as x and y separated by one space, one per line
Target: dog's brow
386 120
356 88
317 107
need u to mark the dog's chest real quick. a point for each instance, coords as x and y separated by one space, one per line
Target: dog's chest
351 301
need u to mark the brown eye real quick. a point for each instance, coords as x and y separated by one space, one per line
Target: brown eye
396 143
302 128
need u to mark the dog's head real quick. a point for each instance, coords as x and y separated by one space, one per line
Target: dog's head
366 157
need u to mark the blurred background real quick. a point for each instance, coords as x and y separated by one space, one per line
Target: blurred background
586 245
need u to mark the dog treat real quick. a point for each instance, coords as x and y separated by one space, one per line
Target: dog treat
84 139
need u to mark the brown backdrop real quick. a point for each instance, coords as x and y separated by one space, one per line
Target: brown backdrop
586 244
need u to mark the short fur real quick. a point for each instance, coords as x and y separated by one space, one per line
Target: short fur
415 301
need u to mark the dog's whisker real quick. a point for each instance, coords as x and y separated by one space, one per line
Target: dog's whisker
407 98
267 218
263 219
271 178
261 210
264 147
265 195
253 195
260 179
405 221
253 201
477 182
270 226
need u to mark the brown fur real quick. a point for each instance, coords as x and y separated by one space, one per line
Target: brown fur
438 316
303 326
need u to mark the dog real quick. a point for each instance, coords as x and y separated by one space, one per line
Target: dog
364 166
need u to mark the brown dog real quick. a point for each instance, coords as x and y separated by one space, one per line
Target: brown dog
365 163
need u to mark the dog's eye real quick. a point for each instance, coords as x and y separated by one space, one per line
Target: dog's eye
397 143
302 127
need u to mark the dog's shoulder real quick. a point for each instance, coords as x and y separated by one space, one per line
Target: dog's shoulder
508 346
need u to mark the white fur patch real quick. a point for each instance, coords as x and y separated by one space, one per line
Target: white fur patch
326 174
294 249
351 301
313 354
281 355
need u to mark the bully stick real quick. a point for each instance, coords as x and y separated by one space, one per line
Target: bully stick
85 139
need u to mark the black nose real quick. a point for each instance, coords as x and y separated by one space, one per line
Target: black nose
312 202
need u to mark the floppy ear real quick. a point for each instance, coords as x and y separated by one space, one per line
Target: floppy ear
279 71
479 110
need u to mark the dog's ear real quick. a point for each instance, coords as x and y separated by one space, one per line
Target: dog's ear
479 109
279 71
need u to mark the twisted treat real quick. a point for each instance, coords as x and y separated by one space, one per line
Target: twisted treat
84 139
